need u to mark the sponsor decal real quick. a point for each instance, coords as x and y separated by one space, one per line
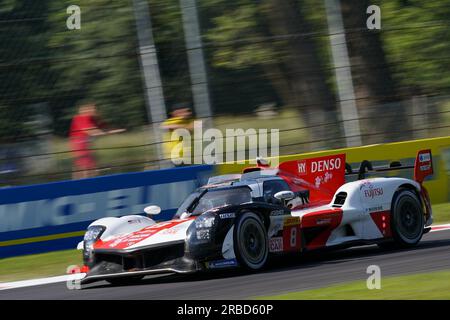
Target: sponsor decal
375 192
276 225
323 179
115 242
423 166
424 157
369 190
291 238
222 263
276 244
228 215
322 221
135 237
319 165
365 184
326 165
291 221
321 175
302 168
374 209
277 213
170 231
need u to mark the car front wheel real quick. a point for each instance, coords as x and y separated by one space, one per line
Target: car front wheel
251 242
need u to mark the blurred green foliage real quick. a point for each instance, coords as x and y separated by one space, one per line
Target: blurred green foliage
256 52
417 40
98 62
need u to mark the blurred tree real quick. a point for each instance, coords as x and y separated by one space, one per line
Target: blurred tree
23 34
372 75
258 51
172 57
371 72
276 37
307 74
97 63
407 57
416 39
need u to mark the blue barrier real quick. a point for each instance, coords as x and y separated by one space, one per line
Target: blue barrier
53 216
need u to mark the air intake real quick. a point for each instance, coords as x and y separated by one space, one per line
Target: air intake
339 200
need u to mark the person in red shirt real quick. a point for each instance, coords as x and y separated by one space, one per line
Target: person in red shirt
85 125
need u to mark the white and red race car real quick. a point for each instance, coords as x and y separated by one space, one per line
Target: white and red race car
243 219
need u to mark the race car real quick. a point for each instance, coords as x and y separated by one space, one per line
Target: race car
240 220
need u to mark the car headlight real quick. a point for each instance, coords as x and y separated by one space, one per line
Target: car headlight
92 234
203 234
203 226
205 221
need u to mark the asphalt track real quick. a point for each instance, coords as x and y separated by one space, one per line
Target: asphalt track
284 275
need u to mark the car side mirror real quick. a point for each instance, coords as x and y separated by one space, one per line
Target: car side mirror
284 195
152 210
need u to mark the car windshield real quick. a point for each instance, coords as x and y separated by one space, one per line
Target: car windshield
214 198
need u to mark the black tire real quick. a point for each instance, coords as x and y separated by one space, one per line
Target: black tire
407 219
124 281
251 244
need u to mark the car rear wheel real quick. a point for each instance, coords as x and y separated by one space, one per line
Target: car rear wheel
407 219
251 242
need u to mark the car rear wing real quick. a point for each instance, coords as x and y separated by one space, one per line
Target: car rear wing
423 167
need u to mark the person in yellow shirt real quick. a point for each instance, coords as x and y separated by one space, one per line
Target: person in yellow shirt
180 118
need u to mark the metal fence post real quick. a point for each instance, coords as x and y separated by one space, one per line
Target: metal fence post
348 109
154 95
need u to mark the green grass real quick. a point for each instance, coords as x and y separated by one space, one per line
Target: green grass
435 285
38 265
441 212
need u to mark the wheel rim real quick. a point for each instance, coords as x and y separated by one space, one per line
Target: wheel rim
253 244
408 219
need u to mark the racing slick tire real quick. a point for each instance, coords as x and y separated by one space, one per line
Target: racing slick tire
251 244
123 281
407 220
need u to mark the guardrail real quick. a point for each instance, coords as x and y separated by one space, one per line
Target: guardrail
54 216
